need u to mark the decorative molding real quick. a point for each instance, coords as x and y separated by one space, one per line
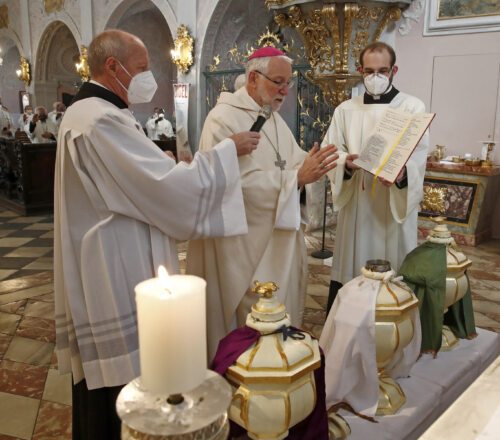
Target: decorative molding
51 6
410 15
454 20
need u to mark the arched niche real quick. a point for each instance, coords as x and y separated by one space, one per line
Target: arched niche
144 19
10 86
55 76
240 23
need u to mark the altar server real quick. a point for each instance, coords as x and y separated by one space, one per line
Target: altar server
382 224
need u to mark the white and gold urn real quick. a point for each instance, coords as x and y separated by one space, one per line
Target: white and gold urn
457 283
273 380
395 314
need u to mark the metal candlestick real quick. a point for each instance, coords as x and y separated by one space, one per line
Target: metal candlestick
323 253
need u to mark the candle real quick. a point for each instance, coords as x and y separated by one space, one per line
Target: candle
172 333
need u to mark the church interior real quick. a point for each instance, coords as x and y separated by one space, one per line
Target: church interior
431 365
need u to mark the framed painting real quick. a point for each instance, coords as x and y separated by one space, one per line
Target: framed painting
445 17
24 100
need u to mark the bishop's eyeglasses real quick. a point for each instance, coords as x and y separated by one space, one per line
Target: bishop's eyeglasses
280 84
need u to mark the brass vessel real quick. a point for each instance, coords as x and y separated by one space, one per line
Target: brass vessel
457 282
394 330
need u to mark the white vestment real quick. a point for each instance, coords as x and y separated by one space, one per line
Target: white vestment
42 127
120 205
348 342
274 249
5 119
155 129
57 121
382 225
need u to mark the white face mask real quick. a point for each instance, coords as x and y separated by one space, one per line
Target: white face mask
142 87
376 84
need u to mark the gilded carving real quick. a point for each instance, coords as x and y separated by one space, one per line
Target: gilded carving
275 3
314 35
391 14
182 55
333 36
4 16
434 199
53 6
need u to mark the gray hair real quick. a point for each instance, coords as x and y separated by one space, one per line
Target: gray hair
262 64
240 81
110 43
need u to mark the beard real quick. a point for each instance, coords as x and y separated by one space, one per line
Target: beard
275 101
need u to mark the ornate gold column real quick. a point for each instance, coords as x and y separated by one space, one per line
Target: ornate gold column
334 33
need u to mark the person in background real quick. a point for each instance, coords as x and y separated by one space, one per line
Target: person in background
41 127
57 114
159 128
6 126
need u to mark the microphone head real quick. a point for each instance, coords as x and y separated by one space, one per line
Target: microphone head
265 111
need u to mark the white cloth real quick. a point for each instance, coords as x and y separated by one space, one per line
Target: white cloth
5 119
24 122
120 205
42 127
53 117
155 129
274 249
384 225
348 342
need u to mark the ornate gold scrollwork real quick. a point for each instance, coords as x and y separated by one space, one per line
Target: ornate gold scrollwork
182 54
82 67
24 71
333 38
391 14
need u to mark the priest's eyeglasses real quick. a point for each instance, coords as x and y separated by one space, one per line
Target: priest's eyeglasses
382 71
280 84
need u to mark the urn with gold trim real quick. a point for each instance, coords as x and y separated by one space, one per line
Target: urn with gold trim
457 283
273 380
394 330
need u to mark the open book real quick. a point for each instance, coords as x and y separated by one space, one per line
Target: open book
392 142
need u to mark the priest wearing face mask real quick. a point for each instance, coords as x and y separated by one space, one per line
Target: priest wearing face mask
272 177
120 204
382 224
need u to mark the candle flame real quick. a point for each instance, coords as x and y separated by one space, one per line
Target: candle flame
162 273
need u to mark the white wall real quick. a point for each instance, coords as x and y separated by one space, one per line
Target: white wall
457 76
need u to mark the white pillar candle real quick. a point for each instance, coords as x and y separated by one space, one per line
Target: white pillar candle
171 315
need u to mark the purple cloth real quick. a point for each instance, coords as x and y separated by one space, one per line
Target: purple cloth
313 427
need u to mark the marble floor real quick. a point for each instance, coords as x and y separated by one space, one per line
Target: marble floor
35 401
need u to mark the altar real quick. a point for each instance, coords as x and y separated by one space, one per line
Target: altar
468 196
433 385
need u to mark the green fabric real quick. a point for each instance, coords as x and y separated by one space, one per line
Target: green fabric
424 270
460 317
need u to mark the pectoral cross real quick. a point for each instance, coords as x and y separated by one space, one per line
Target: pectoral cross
280 163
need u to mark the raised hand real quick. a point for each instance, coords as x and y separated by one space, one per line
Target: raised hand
317 163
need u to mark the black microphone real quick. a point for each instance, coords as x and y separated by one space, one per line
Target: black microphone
264 115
